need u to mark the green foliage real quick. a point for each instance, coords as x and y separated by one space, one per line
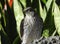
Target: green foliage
11 18
18 14
45 33
48 4
56 13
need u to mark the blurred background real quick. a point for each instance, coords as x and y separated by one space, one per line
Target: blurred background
11 15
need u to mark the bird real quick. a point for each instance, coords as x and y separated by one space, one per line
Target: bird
31 26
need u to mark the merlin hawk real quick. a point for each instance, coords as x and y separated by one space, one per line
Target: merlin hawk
31 26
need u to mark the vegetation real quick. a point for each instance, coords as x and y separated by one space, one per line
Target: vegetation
11 14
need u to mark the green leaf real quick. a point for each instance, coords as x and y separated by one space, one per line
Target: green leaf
31 1
4 19
2 14
0 22
18 14
23 2
0 28
0 39
42 11
45 33
17 40
56 17
44 1
0 5
48 4
0 32
4 37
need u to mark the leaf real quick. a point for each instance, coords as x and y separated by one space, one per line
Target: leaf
44 1
0 22
0 39
18 14
42 12
31 1
0 32
23 2
48 4
4 37
4 19
2 14
0 5
1 28
46 33
17 40
57 17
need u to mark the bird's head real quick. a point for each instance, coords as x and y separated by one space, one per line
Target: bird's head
29 11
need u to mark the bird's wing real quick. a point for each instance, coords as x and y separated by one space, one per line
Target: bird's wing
21 28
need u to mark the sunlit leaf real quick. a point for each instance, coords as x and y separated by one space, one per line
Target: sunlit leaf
45 33
18 14
57 17
31 1
23 2
48 4
42 12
